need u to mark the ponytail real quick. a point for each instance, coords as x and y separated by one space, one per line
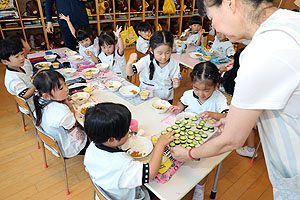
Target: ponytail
38 109
151 67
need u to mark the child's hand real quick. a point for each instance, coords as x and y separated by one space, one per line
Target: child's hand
165 139
118 31
201 31
207 114
63 17
176 82
133 57
88 52
69 104
175 110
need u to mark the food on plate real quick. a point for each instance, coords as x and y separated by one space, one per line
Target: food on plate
83 110
133 92
160 107
136 154
42 65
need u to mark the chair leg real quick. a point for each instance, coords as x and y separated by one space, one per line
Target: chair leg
187 72
253 157
44 154
17 107
23 122
37 138
66 176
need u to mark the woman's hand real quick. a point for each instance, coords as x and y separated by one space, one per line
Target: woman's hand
176 82
180 153
175 110
63 17
49 27
220 125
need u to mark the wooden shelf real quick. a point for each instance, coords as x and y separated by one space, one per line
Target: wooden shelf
97 18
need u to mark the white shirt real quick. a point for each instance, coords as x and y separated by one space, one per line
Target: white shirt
162 77
56 120
142 45
224 49
94 48
217 102
117 63
115 172
269 79
192 37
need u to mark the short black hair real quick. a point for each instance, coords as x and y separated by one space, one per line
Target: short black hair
107 37
144 26
206 71
10 47
107 120
83 33
195 20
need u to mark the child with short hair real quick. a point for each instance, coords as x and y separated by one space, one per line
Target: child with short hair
111 51
54 112
17 77
144 31
194 33
222 45
157 70
116 172
85 38
204 100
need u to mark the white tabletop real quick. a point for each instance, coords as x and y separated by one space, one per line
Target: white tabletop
189 174
185 59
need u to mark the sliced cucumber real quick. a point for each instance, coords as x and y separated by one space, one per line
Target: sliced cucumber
205 128
172 144
194 119
174 127
197 138
204 135
177 122
163 132
169 129
189 141
183 145
191 137
177 141
188 126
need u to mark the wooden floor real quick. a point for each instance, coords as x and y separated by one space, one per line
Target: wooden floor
22 175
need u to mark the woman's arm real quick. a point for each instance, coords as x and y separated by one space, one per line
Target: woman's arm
239 123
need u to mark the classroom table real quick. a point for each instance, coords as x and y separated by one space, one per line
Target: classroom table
189 174
185 59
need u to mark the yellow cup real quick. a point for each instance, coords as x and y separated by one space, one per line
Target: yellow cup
55 65
144 94
207 58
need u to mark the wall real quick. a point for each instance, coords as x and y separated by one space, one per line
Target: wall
287 4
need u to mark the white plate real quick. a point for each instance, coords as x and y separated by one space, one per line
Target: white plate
75 58
85 106
41 65
93 70
129 90
71 53
80 97
75 85
138 144
195 55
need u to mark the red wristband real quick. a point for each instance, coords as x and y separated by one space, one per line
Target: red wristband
191 157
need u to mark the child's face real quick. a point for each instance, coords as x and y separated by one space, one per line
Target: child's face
162 54
221 36
15 61
203 89
86 42
26 47
107 49
62 93
145 34
195 27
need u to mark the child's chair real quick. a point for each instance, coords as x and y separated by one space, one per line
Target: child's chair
52 143
23 103
99 191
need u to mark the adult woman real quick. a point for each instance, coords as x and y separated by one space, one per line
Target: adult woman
267 88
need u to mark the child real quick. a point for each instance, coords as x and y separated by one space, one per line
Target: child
111 52
17 77
54 113
222 45
84 37
203 99
118 174
142 43
158 70
195 31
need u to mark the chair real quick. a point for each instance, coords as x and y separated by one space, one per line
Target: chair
23 103
52 143
207 40
255 152
99 191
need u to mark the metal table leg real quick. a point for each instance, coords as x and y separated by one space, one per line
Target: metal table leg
214 189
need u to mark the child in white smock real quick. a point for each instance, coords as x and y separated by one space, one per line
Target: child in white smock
158 70
142 43
222 45
194 33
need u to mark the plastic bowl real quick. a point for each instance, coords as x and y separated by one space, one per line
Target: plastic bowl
102 66
71 53
160 106
83 108
75 58
80 97
90 72
129 90
50 58
113 85
68 72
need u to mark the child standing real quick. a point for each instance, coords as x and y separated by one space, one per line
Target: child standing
84 37
117 173
157 70
142 43
222 45
111 52
17 77
203 99
195 31
54 113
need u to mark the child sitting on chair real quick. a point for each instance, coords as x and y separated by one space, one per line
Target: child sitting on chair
194 33
17 77
222 45
116 172
142 43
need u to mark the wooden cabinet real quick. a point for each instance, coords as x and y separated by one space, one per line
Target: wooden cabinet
36 25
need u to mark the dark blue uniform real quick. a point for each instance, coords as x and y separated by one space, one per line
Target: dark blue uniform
75 9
